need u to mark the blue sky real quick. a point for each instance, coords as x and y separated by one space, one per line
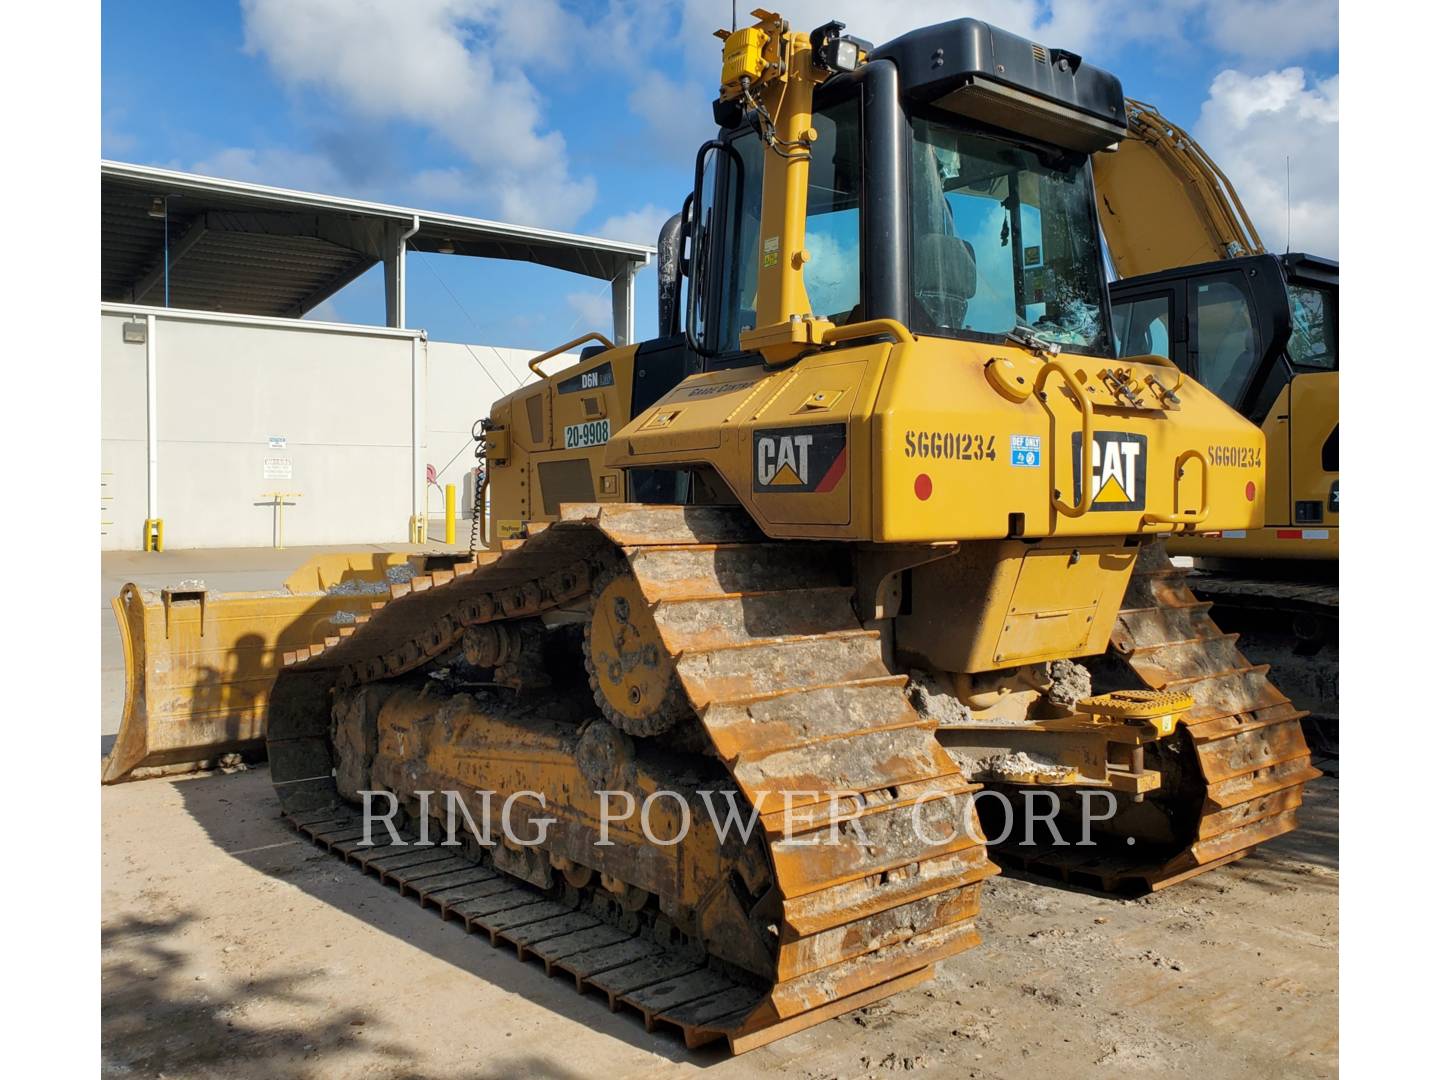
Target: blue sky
585 115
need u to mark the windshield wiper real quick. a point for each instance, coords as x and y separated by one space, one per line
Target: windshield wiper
1028 337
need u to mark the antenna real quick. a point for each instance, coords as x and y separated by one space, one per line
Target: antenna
1287 204
732 16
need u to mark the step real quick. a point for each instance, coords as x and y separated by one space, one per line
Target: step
770 722
741 618
1140 627
1173 663
756 668
668 572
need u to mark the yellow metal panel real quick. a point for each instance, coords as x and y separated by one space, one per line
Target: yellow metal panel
999 604
1277 462
954 454
1063 604
1314 412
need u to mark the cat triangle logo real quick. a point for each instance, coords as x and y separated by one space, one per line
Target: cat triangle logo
1112 492
786 475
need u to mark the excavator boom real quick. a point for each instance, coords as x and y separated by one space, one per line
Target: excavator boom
1164 202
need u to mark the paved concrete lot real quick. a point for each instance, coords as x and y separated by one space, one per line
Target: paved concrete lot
233 948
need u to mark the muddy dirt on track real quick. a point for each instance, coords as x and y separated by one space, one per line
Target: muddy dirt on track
231 947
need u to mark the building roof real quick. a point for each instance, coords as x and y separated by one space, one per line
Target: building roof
259 250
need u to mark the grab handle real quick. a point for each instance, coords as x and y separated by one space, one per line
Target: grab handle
594 335
1185 517
1087 435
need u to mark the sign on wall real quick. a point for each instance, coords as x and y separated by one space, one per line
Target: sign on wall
278 468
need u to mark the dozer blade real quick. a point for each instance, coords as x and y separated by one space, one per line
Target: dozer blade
199 666
792 699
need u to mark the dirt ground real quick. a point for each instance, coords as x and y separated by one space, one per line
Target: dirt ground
233 948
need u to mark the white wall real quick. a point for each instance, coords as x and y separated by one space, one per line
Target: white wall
341 398
463 381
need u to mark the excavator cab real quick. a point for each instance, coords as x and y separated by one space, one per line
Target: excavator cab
1262 333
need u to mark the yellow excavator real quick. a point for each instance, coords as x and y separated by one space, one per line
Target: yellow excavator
875 521
1262 332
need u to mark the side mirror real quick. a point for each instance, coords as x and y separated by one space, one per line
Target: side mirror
700 233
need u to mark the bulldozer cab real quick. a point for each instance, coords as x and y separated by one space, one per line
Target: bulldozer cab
955 202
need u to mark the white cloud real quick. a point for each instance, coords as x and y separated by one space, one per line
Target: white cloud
1270 30
455 67
639 226
1250 125
677 112
475 74
1273 30
276 166
592 310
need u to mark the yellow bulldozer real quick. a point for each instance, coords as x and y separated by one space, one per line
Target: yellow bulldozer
872 528
1261 331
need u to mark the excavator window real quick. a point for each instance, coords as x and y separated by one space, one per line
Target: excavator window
1142 327
1315 327
1226 350
1002 237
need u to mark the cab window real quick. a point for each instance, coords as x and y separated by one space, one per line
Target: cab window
1314 327
1142 327
832 214
1226 350
832 225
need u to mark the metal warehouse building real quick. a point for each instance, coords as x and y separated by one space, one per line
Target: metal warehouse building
218 396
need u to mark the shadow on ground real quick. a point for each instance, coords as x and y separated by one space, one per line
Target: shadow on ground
260 839
155 1020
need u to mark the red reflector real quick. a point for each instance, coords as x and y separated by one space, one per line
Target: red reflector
1250 490
923 487
1287 534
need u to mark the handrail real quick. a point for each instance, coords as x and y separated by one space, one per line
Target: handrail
1087 435
869 328
1185 517
594 335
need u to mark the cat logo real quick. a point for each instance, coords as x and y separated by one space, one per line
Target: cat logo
1117 470
799 459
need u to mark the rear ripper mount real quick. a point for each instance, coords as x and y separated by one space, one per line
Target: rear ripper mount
747 942
1234 770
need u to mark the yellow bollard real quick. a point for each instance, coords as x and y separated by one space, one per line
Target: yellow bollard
154 534
450 514
278 502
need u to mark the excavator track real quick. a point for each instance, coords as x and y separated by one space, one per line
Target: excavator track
1293 626
1236 767
794 698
